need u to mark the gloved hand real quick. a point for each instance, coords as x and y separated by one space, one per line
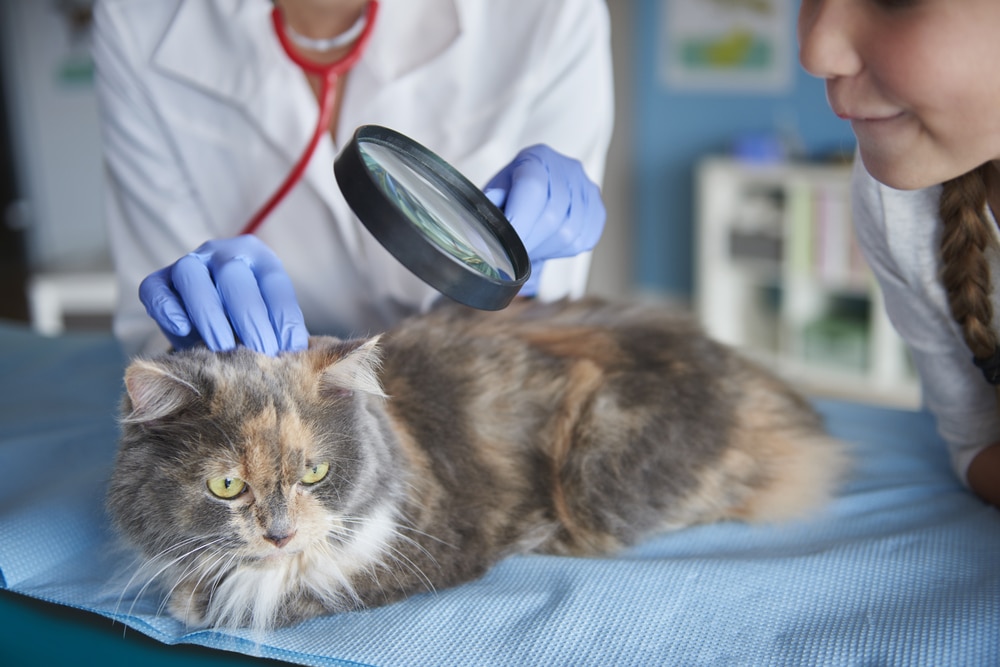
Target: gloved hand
226 286
552 204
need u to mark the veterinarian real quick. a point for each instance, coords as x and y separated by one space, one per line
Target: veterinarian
204 115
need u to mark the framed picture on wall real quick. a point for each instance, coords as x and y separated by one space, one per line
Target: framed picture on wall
739 45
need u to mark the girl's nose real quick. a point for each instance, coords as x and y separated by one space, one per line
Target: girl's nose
827 33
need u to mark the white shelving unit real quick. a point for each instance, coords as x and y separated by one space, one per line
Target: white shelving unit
53 298
780 277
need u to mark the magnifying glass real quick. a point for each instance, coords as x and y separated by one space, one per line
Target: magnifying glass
431 218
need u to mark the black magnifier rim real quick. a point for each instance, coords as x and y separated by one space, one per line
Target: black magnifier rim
397 234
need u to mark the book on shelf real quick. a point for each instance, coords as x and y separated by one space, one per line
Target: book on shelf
821 242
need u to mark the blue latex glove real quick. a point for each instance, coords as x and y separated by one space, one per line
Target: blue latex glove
552 204
224 289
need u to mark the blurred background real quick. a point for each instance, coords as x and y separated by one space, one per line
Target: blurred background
726 188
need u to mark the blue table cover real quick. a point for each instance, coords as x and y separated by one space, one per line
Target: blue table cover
902 569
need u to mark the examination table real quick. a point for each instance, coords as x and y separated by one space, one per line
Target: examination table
903 568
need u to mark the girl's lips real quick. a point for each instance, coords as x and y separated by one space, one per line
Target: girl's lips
870 118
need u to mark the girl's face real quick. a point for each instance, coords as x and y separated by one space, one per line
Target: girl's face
919 80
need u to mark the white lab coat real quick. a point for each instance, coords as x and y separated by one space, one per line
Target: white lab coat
203 115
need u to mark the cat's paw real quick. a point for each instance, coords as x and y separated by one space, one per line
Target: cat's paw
301 609
188 605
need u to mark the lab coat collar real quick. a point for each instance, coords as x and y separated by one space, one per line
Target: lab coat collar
228 49
215 46
408 50
207 43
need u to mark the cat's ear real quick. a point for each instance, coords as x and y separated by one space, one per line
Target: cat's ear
354 370
155 392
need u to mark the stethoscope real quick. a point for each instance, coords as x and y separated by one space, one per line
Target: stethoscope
329 74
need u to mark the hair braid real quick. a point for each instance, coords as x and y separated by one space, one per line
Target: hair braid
965 272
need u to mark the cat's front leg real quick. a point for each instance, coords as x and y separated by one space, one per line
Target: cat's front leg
302 608
189 604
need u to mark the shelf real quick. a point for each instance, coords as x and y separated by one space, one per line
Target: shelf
780 277
56 300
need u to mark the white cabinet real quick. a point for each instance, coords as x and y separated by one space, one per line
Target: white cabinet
778 275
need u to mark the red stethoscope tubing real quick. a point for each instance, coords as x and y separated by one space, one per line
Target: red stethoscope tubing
329 74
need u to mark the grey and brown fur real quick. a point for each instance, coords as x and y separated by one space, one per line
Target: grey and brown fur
454 440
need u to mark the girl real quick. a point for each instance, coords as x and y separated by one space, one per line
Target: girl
918 81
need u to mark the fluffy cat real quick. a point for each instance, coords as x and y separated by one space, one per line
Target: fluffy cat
262 491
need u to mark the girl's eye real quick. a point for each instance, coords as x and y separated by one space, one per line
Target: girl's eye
226 488
315 473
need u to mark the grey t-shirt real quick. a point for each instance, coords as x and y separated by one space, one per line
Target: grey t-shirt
899 233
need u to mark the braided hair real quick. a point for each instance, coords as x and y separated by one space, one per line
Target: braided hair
965 272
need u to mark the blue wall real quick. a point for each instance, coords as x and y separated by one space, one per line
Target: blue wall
672 129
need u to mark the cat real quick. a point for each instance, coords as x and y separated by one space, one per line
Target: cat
263 491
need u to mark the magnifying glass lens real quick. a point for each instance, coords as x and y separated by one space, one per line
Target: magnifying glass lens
431 218
446 221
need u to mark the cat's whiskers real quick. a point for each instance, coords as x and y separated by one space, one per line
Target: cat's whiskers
425 534
156 575
397 527
413 499
152 562
142 563
178 580
336 528
218 578
397 555
217 555
327 560
255 595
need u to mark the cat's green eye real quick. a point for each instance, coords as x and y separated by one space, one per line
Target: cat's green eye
226 488
316 473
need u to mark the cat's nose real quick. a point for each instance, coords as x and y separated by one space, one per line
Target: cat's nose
279 540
